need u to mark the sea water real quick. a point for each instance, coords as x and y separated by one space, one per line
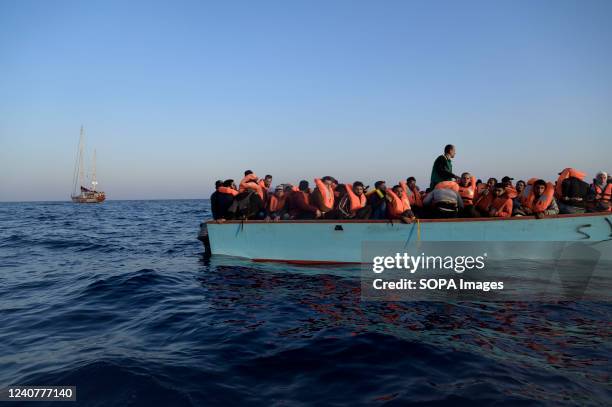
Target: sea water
117 299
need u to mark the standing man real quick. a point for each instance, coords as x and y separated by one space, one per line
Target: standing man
443 167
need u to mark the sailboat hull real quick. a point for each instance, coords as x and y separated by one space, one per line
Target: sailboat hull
95 197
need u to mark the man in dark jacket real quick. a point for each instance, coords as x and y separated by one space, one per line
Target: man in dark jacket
223 201
443 167
214 204
377 200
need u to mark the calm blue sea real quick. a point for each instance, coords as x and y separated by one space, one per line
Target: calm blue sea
117 300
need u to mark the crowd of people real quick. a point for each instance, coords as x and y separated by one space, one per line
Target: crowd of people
448 196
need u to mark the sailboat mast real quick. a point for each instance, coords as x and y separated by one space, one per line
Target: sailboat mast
81 164
94 182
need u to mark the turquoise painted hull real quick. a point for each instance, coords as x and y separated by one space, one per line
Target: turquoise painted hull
341 241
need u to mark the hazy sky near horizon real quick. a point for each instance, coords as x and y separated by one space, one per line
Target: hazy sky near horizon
176 94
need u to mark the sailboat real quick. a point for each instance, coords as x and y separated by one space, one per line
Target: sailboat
81 193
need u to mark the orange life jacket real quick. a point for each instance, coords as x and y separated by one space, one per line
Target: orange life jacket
404 196
264 188
484 202
397 205
511 192
327 193
250 182
525 194
275 204
603 195
448 185
503 206
357 202
228 190
607 195
565 174
414 197
468 193
543 201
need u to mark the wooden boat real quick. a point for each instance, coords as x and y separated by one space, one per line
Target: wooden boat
80 193
341 241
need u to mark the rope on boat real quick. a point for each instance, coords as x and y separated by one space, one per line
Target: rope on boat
416 225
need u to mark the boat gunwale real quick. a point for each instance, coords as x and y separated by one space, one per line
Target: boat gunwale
375 221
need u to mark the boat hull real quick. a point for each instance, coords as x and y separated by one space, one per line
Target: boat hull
96 197
342 241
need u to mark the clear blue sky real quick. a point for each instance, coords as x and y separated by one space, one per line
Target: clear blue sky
177 94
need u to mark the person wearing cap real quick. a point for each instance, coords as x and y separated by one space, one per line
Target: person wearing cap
442 169
508 187
299 203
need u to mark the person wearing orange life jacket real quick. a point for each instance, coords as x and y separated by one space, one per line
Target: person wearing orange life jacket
501 206
484 195
323 197
414 196
299 205
250 182
540 202
398 205
600 192
571 192
467 191
265 185
444 200
508 187
276 209
353 203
